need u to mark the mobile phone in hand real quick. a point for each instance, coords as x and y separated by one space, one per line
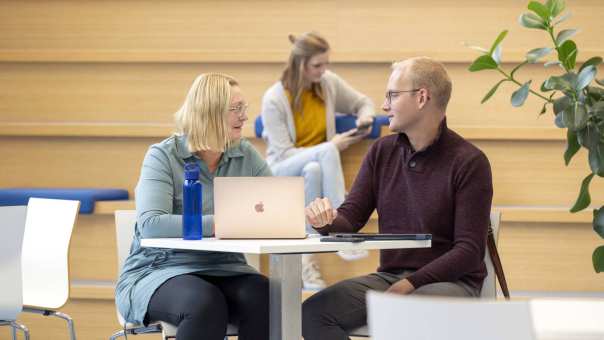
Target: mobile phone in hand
361 131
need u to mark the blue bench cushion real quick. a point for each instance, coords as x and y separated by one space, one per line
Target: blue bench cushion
87 197
343 123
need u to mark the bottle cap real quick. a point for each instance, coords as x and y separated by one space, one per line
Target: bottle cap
191 171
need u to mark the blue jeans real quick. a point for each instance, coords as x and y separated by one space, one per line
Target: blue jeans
321 168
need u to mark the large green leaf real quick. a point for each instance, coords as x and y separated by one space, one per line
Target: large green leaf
598 222
552 63
580 116
484 62
561 104
585 77
540 9
535 54
597 95
559 120
596 159
598 110
572 146
598 259
584 198
496 55
564 35
568 116
498 40
492 91
555 7
562 19
561 83
530 20
595 145
567 54
519 96
595 61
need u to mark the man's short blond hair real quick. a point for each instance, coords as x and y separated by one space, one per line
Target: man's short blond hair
203 117
424 72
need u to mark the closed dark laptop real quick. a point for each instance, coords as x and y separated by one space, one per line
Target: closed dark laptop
377 236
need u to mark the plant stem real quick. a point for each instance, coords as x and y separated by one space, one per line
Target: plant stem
510 78
550 30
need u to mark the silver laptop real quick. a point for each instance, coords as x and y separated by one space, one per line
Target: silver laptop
259 207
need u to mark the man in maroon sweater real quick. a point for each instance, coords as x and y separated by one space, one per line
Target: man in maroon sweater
423 179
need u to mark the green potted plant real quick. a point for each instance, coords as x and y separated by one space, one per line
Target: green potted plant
575 95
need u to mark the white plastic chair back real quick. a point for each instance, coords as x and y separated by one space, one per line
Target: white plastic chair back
489 285
12 222
125 220
447 318
48 228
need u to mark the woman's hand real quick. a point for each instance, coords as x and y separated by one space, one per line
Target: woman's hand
365 122
346 139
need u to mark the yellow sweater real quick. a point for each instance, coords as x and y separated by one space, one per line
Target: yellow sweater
310 121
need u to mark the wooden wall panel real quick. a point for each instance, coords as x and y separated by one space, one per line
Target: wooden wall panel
524 173
72 162
93 253
256 31
550 257
150 93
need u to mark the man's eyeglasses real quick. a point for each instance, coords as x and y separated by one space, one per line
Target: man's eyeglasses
239 109
389 94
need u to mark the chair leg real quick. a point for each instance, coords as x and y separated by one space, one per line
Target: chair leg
14 326
45 312
117 335
70 326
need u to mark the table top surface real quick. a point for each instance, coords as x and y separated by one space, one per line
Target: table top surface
311 244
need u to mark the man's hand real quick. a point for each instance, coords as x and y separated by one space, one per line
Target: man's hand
320 213
403 287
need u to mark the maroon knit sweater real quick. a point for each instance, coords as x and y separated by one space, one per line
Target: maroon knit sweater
444 190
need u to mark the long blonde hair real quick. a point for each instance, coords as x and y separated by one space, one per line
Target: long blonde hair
203 117
304 47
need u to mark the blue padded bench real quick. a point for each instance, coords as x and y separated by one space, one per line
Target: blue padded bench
343 123
87 197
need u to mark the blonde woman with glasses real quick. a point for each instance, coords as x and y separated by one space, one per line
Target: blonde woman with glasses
199 292
298 113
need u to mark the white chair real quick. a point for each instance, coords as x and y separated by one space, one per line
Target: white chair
12 220
125 221
447 318
45 257
489 289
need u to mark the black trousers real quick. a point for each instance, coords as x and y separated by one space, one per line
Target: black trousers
201 306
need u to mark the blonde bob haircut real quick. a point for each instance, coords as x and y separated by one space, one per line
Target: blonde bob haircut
304 47
203 117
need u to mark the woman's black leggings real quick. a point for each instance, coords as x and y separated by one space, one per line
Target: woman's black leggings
201 306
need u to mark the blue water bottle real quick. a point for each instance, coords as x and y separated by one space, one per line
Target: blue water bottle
191 197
